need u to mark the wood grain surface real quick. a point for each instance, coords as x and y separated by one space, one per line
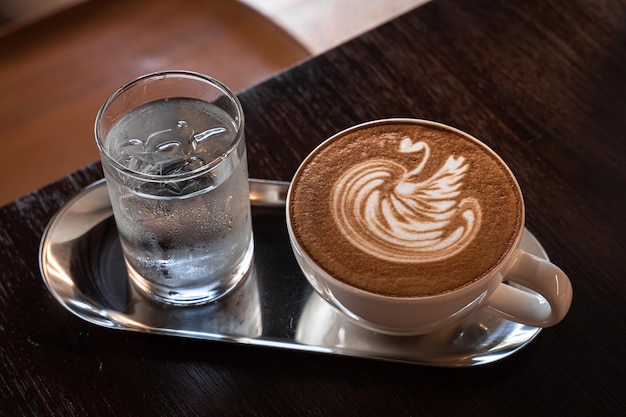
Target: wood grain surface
540 82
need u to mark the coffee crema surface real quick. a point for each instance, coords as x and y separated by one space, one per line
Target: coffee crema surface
405 209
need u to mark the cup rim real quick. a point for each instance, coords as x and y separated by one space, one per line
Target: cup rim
183 176
504 260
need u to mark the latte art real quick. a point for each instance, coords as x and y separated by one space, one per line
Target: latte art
389 212
404 208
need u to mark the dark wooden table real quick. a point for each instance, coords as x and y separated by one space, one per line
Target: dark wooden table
542 82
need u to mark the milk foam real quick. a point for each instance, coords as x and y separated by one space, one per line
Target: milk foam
390 212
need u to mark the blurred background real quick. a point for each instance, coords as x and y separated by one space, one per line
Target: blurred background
318 24
60 59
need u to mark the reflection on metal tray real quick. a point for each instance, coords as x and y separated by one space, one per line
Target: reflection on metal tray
82 265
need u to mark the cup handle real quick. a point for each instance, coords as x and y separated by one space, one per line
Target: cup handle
544 309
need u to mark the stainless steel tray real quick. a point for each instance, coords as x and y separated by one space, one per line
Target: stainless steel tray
82 266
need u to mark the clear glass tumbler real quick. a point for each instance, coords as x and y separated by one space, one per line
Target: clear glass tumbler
174 157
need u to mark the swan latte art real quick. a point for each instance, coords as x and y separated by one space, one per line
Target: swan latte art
405 208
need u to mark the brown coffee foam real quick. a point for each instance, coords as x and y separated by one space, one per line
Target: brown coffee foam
487 180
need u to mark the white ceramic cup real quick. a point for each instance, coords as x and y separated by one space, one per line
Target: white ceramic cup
543 301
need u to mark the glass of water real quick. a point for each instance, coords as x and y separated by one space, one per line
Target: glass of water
174 157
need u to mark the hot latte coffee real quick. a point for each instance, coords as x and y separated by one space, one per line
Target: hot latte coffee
405 208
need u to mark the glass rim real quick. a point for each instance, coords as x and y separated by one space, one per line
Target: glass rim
181 176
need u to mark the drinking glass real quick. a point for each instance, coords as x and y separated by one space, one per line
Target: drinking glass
173 153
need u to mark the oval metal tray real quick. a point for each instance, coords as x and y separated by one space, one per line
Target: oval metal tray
82 266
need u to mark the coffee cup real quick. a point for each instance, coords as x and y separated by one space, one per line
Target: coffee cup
408 226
